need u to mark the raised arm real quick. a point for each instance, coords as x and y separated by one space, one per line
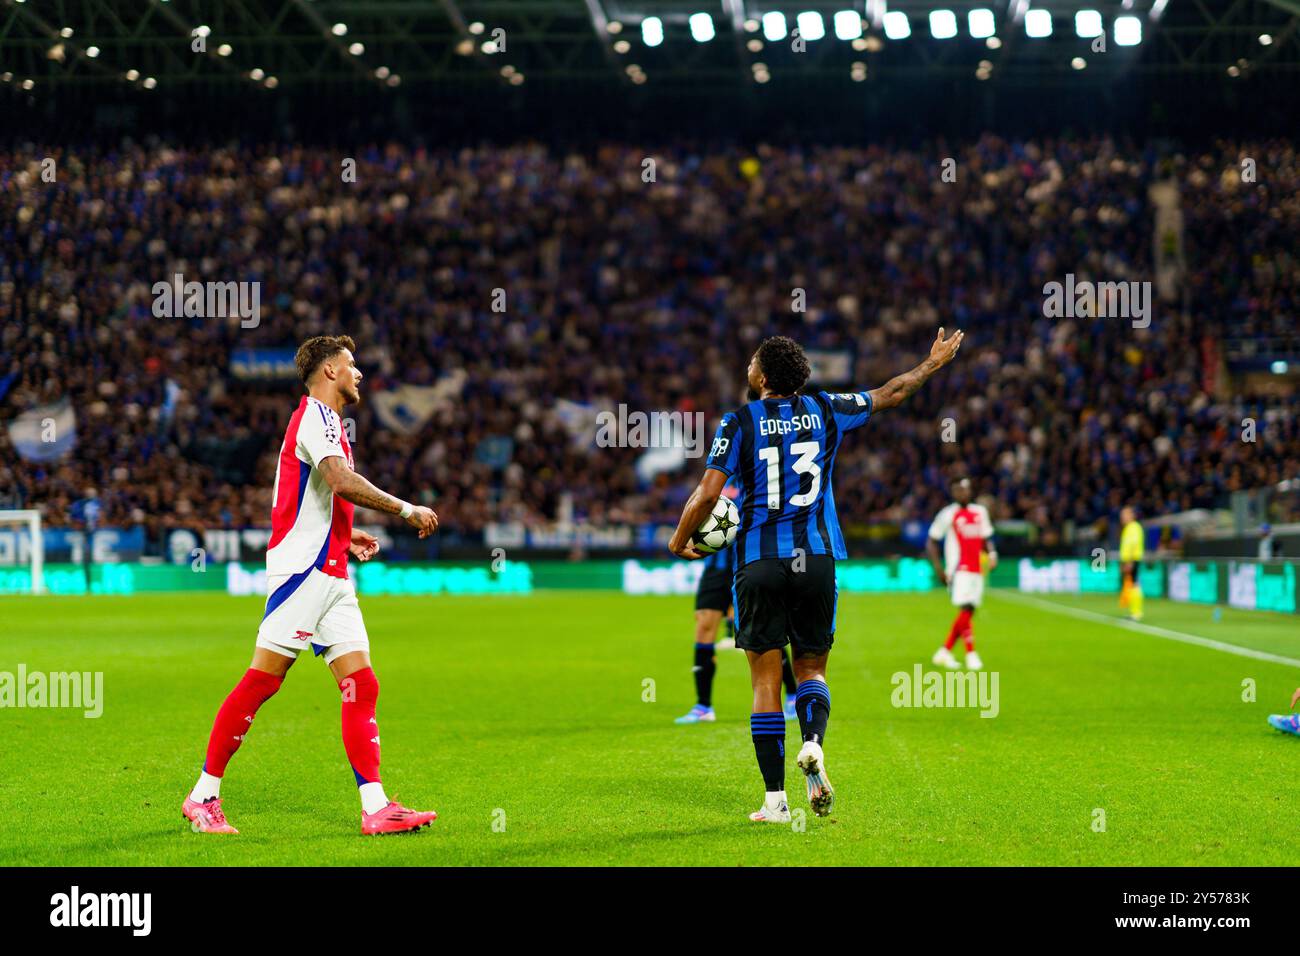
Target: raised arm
900 387
698 506
350 486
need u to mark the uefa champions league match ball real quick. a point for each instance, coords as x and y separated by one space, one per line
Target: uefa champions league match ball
718 530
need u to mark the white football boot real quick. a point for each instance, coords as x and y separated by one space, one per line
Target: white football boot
973 662
813 764
944 657
774 809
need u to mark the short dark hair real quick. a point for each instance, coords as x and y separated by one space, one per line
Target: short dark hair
313 353
783 364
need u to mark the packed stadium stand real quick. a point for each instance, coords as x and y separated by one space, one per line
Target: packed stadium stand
539 286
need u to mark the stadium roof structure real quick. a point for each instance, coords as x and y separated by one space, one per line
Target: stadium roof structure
685 44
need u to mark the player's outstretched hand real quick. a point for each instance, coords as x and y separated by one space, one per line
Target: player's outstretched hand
424 520
943 350
1295 697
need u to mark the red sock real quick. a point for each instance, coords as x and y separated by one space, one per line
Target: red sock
360 731
236 715
968 634
960 624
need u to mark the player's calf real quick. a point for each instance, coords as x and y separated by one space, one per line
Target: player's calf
813 704
232 723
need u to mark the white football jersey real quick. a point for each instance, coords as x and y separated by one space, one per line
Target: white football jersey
310 527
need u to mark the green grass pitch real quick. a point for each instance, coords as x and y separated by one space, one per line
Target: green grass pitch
529 712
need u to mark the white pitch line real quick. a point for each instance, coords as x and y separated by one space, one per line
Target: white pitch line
1148 629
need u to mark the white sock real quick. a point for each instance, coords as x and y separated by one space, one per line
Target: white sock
207 787
774 799
372 797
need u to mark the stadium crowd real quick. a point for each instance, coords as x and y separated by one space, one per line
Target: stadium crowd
653 294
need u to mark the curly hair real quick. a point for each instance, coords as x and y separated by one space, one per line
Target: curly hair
783 364
313 353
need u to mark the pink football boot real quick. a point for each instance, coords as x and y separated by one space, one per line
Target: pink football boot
206 817
395 818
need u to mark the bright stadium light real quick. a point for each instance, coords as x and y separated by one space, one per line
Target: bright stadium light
896 25
701 27
980 23
1038 24
848 25
1128 31
774 26
652 31
943 24
1087 23
811 26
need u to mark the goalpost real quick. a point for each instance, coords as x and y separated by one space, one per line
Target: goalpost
32 519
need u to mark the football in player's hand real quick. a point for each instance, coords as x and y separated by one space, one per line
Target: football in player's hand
718 530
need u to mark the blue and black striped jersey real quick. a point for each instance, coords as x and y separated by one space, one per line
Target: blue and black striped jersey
781 451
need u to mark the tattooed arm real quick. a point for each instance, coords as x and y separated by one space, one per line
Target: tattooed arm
350 486
900 387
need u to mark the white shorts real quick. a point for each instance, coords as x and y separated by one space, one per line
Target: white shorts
967 588
315 610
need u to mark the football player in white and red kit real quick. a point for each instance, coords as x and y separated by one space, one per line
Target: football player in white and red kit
967 534
310 599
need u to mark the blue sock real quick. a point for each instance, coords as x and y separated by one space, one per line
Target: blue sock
768 731
812 702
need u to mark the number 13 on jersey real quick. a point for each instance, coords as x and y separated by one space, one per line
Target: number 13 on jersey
804 464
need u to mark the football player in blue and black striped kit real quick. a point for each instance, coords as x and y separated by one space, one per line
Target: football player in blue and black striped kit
781 449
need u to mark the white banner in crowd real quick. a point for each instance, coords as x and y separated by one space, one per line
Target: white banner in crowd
45 433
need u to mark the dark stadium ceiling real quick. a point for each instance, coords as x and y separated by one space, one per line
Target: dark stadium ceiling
388 43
